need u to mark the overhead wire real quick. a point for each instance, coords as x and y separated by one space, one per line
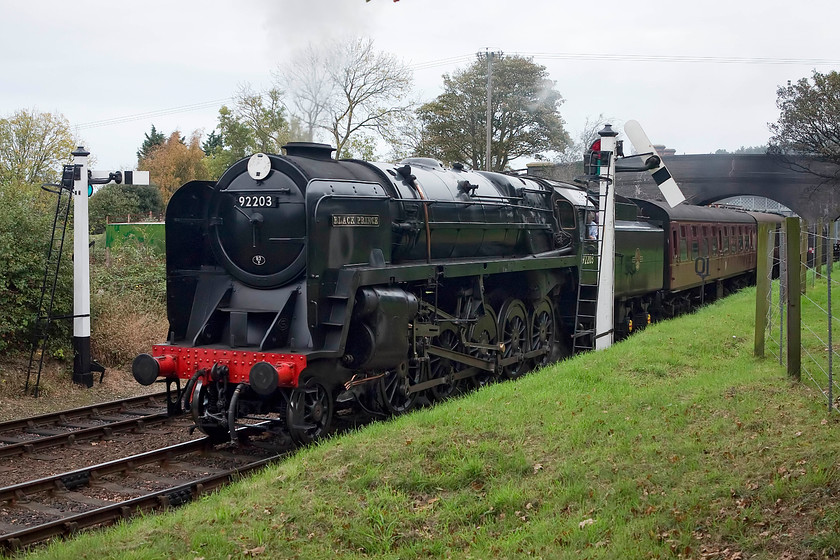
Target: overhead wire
678 58
158 113
469 56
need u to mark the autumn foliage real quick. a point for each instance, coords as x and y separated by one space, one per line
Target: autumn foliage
175 162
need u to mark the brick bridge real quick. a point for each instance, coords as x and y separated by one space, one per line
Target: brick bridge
707 178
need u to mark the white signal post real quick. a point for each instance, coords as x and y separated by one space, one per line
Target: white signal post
83 366
82 373
604 313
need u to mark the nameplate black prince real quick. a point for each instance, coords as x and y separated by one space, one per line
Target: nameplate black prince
354 220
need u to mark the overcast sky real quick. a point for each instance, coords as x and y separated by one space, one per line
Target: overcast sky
698 75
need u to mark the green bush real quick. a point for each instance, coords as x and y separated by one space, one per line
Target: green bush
128 302
117 202
26 216
133 270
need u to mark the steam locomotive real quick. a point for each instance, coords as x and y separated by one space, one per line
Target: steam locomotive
299 285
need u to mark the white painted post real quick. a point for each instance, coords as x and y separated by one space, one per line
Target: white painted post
83 365
605 313
81 272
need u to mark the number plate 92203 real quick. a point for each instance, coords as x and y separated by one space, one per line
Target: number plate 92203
256 201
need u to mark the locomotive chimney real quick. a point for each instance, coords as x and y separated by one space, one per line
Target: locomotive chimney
312 150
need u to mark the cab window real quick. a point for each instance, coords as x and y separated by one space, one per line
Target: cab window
565 214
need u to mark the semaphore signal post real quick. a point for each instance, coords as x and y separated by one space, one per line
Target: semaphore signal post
82 181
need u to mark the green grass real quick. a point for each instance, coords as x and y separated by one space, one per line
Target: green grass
674 443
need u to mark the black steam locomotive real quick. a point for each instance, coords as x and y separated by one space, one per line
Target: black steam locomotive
299 285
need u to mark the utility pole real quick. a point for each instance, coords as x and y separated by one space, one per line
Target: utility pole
489 55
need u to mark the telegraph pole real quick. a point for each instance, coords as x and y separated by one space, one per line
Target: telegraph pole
489 55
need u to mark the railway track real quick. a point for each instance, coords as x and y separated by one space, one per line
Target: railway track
38 507
93 422
62 504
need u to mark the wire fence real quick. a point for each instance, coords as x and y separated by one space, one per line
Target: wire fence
818 286
135 218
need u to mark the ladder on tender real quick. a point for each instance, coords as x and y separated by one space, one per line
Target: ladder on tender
589 276
52 267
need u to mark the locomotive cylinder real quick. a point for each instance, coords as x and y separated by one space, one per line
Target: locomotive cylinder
379 336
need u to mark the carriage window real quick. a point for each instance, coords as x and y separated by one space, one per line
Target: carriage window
674 243
695 249
683 250
693 231
705 247
726 245
714 246
682 232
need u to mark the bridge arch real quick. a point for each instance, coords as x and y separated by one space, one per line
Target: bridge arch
708 178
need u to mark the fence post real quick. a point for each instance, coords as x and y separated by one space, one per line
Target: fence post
783 290
794 291
762 288
803 256
818 249
829 264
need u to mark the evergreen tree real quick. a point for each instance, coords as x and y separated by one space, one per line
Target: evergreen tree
152 141
213 144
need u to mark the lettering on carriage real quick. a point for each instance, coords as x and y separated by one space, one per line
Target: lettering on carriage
354 220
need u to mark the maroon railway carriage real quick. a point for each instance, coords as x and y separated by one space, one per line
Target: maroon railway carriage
709 251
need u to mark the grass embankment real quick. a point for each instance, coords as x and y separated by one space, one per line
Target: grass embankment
674 443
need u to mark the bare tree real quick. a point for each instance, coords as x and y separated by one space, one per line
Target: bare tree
346 89
309 86
370 87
